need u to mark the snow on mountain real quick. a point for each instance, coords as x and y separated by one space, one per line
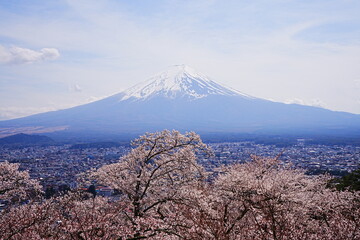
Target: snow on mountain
178 81
180 98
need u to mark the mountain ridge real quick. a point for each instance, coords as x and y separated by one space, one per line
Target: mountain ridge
25 139
179 98
178 81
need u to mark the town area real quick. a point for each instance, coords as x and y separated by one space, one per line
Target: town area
60 165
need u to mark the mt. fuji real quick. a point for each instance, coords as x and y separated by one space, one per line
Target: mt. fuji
180 98
179 81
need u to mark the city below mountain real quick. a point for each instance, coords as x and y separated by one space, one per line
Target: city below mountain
180 98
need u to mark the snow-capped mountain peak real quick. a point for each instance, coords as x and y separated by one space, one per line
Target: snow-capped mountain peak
178 81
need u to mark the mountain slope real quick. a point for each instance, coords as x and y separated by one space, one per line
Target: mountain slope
178 81
179 98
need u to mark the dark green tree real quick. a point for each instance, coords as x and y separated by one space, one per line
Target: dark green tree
350 181
92 189
49 192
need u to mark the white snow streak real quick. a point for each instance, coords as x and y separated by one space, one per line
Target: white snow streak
178 81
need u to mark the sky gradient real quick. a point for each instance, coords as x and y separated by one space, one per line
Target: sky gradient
58 54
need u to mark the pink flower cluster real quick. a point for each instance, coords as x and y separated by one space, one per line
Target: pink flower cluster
166 194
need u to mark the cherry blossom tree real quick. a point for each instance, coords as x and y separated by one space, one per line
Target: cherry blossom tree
166 194
66 217
28 221
153 175
263 199
15 185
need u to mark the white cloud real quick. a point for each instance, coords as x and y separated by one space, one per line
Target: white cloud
75 88
11 112
18 55
16 112
93 98
357 83
295 101
316 102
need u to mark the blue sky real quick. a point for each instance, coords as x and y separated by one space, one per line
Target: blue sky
58 54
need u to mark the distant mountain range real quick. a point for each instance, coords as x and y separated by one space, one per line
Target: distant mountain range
25 139
180 98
